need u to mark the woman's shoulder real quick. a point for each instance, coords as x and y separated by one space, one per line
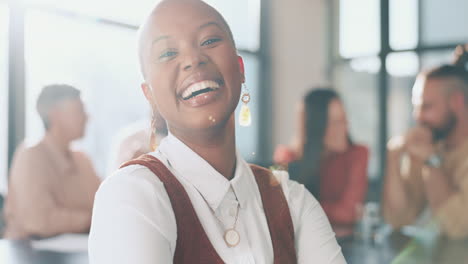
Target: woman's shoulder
300 200
134 203
289 187
134 184
294 191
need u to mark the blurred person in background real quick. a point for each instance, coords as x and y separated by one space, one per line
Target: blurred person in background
136 139
52 187
427 168
326 161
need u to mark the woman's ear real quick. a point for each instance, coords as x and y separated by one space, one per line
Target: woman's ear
147 92
241 67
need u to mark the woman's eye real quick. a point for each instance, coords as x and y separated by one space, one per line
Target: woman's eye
167 54
210 41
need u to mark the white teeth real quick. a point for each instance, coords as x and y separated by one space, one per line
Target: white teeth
199 86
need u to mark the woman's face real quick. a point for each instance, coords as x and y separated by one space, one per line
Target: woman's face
336 133
192 71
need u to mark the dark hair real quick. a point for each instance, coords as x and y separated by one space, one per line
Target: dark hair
307 170
50 96
461 56
458 69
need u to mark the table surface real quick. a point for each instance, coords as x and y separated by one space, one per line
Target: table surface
21 252
394 249
398 248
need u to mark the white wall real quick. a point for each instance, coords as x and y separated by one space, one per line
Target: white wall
299 58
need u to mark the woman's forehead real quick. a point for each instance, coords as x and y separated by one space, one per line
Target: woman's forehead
176 18
180 15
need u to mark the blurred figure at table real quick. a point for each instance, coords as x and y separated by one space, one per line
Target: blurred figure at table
427 168
324 158
52 187
136 139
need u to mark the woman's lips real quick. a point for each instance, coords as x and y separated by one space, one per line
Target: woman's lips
202 99
199 87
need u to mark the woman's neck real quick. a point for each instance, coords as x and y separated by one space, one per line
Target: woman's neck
217 146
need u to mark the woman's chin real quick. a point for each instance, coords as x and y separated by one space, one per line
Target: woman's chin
207 123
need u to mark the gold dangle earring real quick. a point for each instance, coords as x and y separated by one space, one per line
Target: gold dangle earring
245 118
153 143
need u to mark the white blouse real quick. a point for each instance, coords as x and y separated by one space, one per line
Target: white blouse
133 221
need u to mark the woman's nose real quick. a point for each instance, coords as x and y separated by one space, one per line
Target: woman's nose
194 59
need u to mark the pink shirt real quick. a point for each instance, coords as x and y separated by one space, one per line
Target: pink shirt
343 183
49 193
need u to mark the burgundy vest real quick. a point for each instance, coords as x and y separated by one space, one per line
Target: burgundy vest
193 245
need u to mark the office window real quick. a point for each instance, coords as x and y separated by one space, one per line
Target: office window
72 44
359 28
444 22
402 64
246 28
436 58
125 12
403 68
244 20
3 95
403 24
426 32
100 60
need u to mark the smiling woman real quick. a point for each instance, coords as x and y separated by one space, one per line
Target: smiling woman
185 50
195 199
102 65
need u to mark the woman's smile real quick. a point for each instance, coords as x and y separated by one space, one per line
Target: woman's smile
200 89
201 93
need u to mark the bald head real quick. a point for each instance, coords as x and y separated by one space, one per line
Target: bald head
170 13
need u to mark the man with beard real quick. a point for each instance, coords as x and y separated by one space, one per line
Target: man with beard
428 167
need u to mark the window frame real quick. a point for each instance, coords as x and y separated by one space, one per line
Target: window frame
383 84
17 73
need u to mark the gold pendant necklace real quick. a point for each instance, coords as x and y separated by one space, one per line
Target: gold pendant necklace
231 236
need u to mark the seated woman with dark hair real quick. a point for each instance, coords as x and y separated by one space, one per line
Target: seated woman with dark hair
325 159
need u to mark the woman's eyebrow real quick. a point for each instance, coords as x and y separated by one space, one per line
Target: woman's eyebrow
159 39
211 23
